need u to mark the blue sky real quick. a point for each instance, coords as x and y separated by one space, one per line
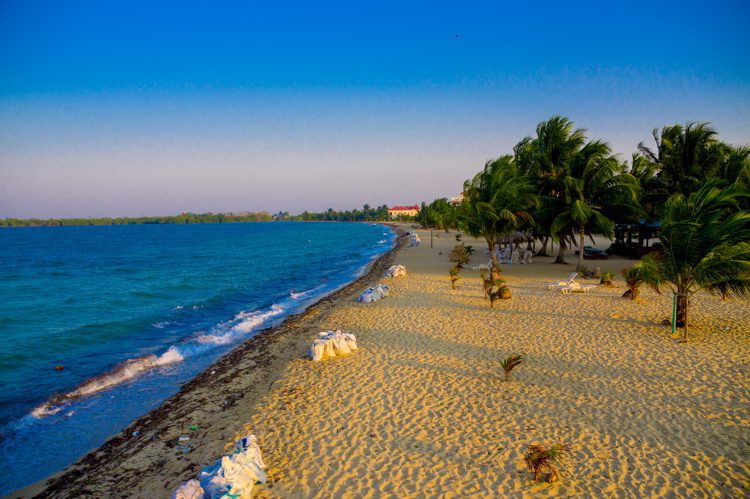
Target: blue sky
138 108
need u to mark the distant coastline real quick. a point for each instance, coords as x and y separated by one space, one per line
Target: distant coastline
366 214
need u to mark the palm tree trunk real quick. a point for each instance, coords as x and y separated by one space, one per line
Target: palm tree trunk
682 313
561 254
581 237
543 251
494 274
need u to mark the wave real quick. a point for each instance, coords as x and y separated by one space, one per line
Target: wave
122 372
225 333
303 294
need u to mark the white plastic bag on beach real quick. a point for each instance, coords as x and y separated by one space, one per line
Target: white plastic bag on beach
351 341
189 490
367 296
317 350
340 346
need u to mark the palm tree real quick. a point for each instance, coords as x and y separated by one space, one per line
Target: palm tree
653 191
496 201
706 245
595 191
546 158
687 156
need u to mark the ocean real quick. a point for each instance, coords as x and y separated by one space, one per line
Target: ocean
99 325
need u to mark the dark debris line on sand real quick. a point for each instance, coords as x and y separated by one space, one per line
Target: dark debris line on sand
146 457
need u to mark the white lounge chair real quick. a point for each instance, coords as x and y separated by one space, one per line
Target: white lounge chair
483 266
575 287
555 286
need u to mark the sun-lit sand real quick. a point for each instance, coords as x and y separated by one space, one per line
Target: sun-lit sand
422 409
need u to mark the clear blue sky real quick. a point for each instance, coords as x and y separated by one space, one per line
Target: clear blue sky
139 108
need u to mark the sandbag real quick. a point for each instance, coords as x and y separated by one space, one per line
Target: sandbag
317 350
231 476
328 349
395 271
351 341
189 490
331 344
340 346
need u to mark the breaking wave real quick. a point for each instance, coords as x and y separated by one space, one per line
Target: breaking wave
225 333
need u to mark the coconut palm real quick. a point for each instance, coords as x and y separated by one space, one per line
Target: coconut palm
653 190
687 156
496 201
706 245
643 272
546 159
596 190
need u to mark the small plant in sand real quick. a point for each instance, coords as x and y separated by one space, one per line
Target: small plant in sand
461 254
539 459
643 272
495 289
453 273
511 362
607 279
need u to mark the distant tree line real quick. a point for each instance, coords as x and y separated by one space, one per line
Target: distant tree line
366 214
185 218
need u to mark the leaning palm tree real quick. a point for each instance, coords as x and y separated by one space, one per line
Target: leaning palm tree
595 191
496 201
706 245
546 158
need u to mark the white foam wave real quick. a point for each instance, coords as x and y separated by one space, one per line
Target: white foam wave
223 334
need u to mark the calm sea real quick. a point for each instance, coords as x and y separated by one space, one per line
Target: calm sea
133 312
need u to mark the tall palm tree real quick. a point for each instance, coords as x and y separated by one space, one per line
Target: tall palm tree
687 156
581 186
596 190
653 191
496 201
545 158
706 245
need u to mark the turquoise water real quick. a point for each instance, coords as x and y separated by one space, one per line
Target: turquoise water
132 312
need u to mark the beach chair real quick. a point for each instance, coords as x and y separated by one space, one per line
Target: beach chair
556 286
483 266
575 287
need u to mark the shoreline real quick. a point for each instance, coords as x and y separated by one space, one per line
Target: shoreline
259 362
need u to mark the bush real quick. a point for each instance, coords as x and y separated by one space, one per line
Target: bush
539 459
453 273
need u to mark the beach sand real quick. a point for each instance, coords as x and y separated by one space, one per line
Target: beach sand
421 409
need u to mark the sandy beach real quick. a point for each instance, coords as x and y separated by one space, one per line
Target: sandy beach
421 409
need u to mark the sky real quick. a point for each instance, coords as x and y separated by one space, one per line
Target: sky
154 108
